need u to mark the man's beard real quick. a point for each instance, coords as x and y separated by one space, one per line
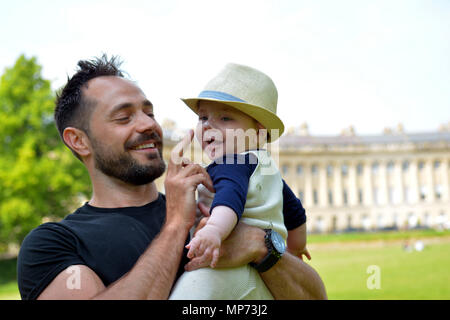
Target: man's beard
124 167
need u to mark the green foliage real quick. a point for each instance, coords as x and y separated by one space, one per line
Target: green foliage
39 177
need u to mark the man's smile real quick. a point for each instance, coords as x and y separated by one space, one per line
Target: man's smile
150 145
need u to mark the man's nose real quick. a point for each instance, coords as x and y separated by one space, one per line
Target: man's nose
145 122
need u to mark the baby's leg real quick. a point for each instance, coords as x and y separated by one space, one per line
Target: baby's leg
221 284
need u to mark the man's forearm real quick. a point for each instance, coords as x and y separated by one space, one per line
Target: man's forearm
153 274
291 278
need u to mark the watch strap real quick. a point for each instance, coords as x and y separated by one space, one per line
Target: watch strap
272 256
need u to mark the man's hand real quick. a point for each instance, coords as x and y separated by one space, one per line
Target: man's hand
242 246
182 179
290 278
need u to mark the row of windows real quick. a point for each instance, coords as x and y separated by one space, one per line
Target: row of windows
394 196
359 168
382 221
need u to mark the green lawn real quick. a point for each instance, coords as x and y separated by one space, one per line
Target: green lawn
8 282
376 236
342 261
403 275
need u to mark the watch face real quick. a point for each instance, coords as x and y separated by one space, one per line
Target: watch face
278 242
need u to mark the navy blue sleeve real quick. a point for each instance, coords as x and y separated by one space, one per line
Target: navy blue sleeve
231 177
293 211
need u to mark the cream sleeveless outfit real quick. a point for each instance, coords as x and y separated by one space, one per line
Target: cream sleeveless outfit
263 209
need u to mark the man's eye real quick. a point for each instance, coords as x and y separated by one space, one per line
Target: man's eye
202 118
226 119
151 115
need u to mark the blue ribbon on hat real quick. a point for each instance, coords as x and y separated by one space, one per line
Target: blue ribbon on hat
219 96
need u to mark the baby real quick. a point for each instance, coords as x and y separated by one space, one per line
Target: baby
237 116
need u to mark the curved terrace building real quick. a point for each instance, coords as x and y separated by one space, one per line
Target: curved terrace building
394 180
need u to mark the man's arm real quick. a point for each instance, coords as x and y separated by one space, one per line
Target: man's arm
151 277
153 274
289 278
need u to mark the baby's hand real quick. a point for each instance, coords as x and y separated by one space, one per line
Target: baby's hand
305 253
300 253
205 245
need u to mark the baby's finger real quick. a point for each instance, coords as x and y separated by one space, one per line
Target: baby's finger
215 258
307 255
192 249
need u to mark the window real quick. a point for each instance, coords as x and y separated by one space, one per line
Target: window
438 191
366 223
427 220
329 170
437 164
300 195
344 169
359 169
349 221
330 197
405 165
319 225
314 169
345 197
441 220
285 169
334 223
315 197
375 167
392 195
390 167
412 220
360 196
299 169
423 192
421 165
380 221
395 220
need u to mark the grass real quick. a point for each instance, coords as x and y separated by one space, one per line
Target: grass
373 236
403 275
342 261
8 280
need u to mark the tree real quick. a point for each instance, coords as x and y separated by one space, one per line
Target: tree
40 179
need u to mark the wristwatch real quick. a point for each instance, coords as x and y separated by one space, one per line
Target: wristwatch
275 246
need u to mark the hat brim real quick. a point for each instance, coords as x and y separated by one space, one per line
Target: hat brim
267 119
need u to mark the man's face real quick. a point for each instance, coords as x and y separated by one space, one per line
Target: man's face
126 140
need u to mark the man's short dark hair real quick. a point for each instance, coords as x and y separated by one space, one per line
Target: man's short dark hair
72 108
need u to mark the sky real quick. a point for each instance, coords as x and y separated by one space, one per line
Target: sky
363 63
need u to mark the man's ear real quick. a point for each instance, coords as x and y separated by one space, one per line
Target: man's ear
77 140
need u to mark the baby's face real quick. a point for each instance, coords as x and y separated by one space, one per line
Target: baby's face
224 130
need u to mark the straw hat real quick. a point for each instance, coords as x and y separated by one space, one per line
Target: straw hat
247 90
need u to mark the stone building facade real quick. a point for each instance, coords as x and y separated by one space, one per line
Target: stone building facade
394 180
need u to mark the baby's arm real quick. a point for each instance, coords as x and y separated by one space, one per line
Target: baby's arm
207 240
296 242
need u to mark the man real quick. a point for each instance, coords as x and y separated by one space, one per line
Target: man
128 241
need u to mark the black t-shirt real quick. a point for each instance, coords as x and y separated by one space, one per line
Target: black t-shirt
109 241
